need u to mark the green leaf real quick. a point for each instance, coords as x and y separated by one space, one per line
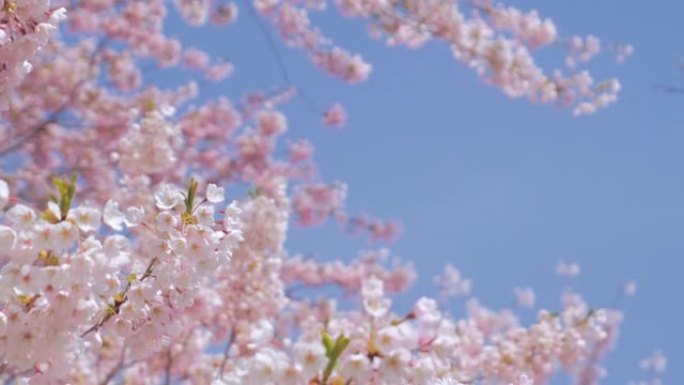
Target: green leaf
341 343
254 192
49 216
328 343
67 190
190 198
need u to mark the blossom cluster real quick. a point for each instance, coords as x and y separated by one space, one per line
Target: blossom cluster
498 42
69 288
136 270
151 296
25 28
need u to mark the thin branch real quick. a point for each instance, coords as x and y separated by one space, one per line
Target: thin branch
167 367
54 117
115 370
669 88
285 73
114 309
226 353
37 129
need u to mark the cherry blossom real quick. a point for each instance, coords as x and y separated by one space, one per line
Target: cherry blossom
147 265
525 297
567 269
4 194
335 116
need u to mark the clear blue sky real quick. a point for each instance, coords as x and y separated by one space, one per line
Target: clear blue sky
499 187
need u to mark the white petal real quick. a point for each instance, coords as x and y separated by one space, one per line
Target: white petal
112 216
215 194
4 194
134 216
7 238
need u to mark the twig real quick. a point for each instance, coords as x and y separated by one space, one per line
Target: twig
54 117
114 309
669 89
285 73
226 353
167 368
112 373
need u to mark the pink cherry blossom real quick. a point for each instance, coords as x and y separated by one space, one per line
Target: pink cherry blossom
451 283
525 297
164 259
567 269
4 194
335 116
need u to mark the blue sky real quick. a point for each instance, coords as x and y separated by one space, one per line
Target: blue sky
501 188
